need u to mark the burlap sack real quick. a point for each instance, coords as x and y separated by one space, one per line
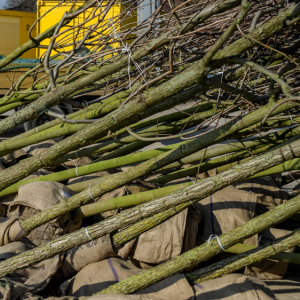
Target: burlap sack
167 240
233 287
225 210
99 276
175 287
60 267
3 209
209 173
34 281
10 230
15 248
41 147
5 201
267 189
270 269
13 158
120 297
79 257
38 196
285 289
296 189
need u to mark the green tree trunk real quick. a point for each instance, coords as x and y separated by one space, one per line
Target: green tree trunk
238 173
129 113
186 196
232 264
60 93
204 252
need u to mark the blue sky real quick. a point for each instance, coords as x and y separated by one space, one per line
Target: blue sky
1 3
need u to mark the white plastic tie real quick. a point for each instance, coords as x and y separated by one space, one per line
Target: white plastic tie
125 49
87 233
74 165
191 179
76 154
219 94
36 130
90 192
226 159
259 239
213 237
66 194
291 118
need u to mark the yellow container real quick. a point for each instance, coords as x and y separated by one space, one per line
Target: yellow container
55 16
14 27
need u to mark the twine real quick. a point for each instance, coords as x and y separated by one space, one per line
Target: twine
90 192
259 239
86 231
214 236
125 50
191 179
219 94
75 165
291 117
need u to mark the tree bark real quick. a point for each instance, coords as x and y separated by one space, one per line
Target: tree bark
57 95
187 196
37 40
267 160
232 264
129 113
204 252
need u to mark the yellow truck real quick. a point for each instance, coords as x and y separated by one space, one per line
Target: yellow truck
15 25
55 16
14 28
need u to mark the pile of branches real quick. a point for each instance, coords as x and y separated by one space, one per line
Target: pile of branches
232 62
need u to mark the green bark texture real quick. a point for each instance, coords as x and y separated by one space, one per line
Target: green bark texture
283 134
58 130
129 113
74 115
60 93
266 161
188 195
204 252
293 258
169 128
113 163
232 264
212 164
37 40
125 201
